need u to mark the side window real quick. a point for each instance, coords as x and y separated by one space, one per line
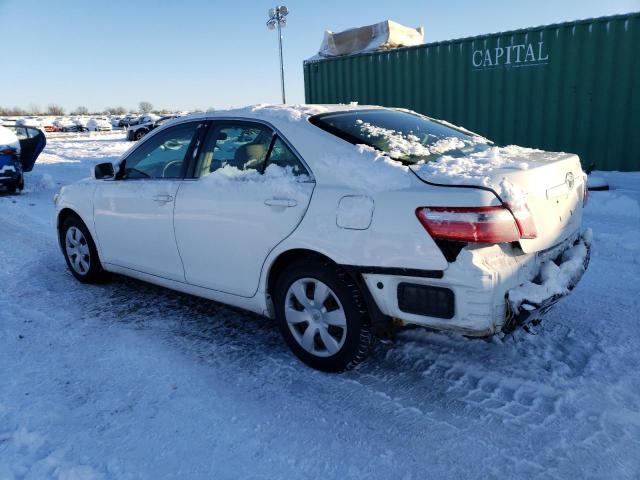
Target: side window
282 156
243 146
21 133
161 156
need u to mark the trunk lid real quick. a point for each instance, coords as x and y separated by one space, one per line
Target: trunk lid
551 184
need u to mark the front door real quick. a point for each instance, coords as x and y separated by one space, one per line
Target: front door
134 213
249 192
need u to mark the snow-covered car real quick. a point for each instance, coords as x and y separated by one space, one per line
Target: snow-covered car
339 221
99 124
136 132
29 122
65 125
79 125
19 149
129 120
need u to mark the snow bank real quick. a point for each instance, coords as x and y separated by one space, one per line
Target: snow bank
610 201
554 280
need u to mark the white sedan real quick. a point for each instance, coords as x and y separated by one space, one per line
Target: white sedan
99 125
339 221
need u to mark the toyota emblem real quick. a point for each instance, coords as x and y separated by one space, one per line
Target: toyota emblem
569 180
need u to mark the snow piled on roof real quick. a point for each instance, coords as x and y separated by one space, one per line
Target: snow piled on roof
291 113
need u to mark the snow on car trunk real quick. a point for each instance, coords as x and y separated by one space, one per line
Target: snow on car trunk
549 185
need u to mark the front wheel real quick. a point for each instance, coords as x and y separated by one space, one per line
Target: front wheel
80 251
322 315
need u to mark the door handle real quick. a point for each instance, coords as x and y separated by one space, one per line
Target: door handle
280 202
163 198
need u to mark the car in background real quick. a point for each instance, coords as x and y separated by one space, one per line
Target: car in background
49 125
136 132
29 122
115 121
19 149
339 221
129 120
99 124
80 124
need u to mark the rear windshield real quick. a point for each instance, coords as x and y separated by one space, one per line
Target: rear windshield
404 136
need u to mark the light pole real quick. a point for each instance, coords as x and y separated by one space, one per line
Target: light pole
277 20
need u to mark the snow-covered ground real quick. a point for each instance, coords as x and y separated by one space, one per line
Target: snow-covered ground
127 380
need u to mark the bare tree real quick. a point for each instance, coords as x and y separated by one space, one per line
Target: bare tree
119 111
81 111
145 107
34 109
55 110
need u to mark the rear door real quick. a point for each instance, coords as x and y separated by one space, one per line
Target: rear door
134 214
248 193
32 142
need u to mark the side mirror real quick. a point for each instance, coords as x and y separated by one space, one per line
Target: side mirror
103 171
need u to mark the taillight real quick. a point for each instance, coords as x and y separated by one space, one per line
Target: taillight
524 220
477 224
8 151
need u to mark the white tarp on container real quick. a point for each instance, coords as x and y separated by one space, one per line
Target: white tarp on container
379 36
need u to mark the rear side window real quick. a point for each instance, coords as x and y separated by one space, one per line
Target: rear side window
243 146
282 156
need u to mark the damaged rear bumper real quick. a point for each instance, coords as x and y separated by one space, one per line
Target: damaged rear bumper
561 269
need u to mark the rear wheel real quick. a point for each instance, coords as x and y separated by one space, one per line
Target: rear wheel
321 315
139 134
80 251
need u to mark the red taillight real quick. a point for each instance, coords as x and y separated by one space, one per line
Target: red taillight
524 220
477 224
8 151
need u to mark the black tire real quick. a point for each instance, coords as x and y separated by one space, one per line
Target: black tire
12 187
139 134
95 272
21 183
359 338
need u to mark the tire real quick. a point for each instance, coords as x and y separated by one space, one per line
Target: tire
21 183
85 264
330 347
139 134
12 187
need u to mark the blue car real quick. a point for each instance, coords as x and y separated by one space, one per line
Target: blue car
19 149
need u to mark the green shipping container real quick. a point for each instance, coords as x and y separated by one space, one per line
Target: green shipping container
572 87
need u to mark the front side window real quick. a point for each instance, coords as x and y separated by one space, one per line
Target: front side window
404 136
243 146
161 156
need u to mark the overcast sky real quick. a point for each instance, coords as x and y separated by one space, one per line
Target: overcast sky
192 54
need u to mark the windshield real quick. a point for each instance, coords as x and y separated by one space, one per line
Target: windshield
404 136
